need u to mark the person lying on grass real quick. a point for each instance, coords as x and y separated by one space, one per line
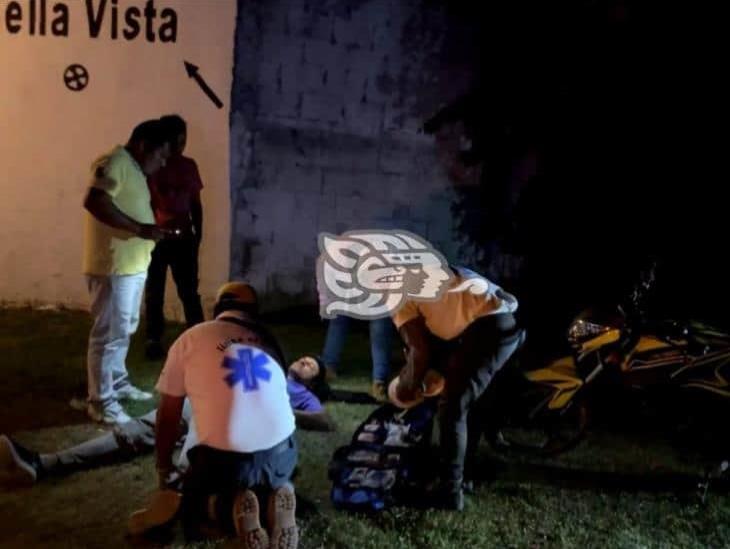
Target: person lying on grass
23 466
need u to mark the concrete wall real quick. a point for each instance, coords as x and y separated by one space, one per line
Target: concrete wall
49 134
328 102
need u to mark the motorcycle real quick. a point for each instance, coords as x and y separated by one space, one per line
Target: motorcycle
547 410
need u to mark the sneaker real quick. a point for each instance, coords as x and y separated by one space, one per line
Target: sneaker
130 392
379 391
153 350
111 414
162 509
282 518
18 465
246 520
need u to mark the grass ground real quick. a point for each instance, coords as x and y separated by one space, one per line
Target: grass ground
553 505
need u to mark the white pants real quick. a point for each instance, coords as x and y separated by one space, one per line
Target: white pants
115 303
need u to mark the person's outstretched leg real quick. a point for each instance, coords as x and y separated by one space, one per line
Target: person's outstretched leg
20 465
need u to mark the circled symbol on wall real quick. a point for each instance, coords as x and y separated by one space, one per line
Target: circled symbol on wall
76 77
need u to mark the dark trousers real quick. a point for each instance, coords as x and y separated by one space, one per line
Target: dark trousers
221 473
181 255
469 363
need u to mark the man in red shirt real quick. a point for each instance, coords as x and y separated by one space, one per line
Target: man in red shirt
175 193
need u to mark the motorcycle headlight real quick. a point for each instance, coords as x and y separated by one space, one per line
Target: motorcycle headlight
581 330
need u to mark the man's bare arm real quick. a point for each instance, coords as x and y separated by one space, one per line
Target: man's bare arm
167 433
415 337
314 421
102 207
196 216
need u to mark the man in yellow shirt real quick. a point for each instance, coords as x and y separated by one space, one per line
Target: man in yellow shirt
467 334
120 233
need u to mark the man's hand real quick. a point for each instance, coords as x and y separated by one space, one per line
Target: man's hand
167 424
406 392
196 216
102 207
150 231
407 381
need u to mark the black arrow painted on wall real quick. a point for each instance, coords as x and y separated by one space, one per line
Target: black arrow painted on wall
193 73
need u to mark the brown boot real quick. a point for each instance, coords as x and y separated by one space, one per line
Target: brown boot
282 519
246 520
379 391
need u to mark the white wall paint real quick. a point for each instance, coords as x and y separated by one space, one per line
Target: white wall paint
49 135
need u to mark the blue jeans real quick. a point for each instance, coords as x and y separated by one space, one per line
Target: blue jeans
381 337
115 303
223 473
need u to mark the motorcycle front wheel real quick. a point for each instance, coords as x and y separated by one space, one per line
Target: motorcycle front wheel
536 430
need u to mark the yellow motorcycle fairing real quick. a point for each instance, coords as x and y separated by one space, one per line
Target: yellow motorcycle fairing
647 344
561 375
650 343
718 382
606 338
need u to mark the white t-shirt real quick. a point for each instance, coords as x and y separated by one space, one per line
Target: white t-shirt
237 391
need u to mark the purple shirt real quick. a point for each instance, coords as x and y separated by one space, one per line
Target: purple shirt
301 398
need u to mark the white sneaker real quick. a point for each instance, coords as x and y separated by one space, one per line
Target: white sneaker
111 414
131 392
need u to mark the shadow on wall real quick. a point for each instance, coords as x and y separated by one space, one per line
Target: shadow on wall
327 132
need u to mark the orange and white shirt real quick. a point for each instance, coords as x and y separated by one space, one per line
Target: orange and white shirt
453 312
237 391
